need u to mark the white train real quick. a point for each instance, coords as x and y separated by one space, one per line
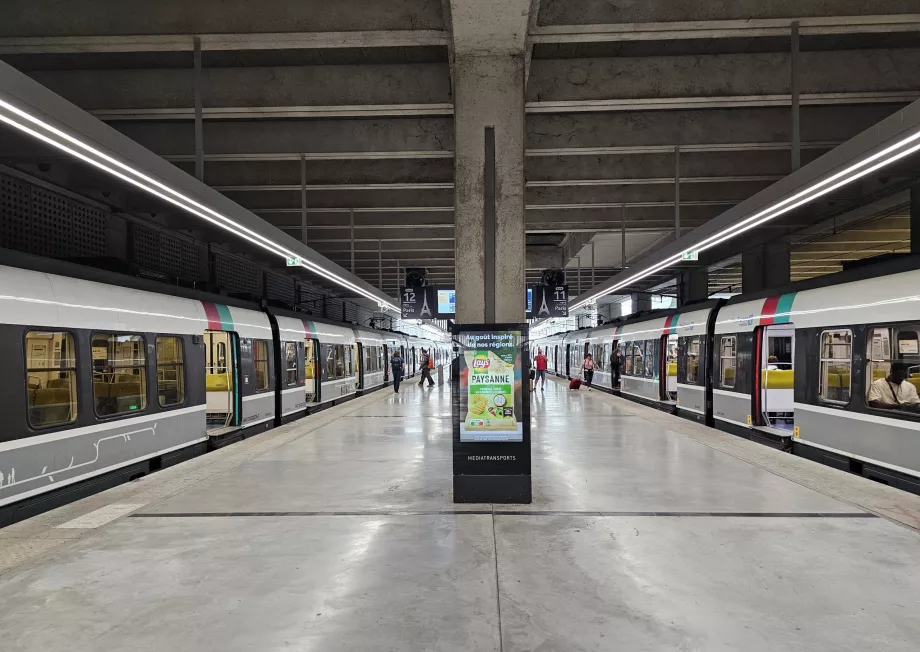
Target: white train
101 382
791 368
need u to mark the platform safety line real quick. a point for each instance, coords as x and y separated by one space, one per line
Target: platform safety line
461 512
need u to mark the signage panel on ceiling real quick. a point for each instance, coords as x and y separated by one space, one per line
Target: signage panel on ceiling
418 303
548 301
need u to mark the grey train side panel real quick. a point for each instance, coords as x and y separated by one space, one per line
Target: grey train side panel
258 409
733 407
888 441
647 388
293 399
692 398
48 462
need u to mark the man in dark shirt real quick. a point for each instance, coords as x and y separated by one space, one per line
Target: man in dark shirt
397 366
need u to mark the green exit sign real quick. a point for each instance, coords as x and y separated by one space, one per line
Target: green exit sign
690 255
293 262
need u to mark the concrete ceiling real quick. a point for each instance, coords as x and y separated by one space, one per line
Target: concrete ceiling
343 112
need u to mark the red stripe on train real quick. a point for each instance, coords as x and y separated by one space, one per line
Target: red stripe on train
768 314
214 323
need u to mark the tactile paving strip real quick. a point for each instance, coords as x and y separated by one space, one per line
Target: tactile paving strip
101 516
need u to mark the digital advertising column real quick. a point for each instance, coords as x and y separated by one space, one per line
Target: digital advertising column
491 414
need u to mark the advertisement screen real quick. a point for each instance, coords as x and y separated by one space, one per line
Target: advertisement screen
447 302
491 391
529 300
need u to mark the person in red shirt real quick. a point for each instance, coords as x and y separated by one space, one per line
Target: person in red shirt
540 362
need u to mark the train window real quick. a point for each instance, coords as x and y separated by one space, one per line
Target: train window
638 357
260 364
693 359
340 362
597 352
652 358
221 358
328 354
894 368
836 365
290 364
51 378
119 374
170 371
727 351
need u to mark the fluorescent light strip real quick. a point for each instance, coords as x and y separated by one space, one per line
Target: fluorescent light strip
177 199
790 203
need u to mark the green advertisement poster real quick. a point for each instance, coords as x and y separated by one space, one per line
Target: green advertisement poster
491 370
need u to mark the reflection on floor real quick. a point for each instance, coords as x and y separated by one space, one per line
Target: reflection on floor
346 539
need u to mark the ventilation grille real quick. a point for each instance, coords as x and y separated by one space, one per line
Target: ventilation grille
280 287
167 253
41 222
237 275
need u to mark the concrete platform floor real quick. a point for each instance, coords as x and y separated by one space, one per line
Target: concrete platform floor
338 533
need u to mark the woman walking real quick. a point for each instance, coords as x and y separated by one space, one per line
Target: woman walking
588 368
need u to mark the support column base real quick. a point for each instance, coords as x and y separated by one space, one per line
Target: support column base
501 489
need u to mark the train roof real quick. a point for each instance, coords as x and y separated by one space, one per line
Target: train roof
880 293
45 300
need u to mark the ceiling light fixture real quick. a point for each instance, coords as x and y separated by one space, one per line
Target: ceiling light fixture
887 156
164 192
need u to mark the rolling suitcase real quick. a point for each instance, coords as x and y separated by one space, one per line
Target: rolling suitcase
575 383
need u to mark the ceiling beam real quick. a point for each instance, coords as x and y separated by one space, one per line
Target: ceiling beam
223 42
719 102
715 29
534 107
278 112
532 153
529 184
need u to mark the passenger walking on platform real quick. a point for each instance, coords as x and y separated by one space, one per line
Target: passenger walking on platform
427 365
540 363
588 367
397 366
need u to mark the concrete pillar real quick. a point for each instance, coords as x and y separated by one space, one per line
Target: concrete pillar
765 267
489 188
641 302
915 219
692 285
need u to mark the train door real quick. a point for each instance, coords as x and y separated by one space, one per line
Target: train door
568 365
311 371
669 368
386 364
223 402
776 358
359 370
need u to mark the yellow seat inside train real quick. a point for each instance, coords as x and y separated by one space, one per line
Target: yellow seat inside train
838 378
777 378
218 382
672 369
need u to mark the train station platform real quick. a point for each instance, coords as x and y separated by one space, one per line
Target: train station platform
338 532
